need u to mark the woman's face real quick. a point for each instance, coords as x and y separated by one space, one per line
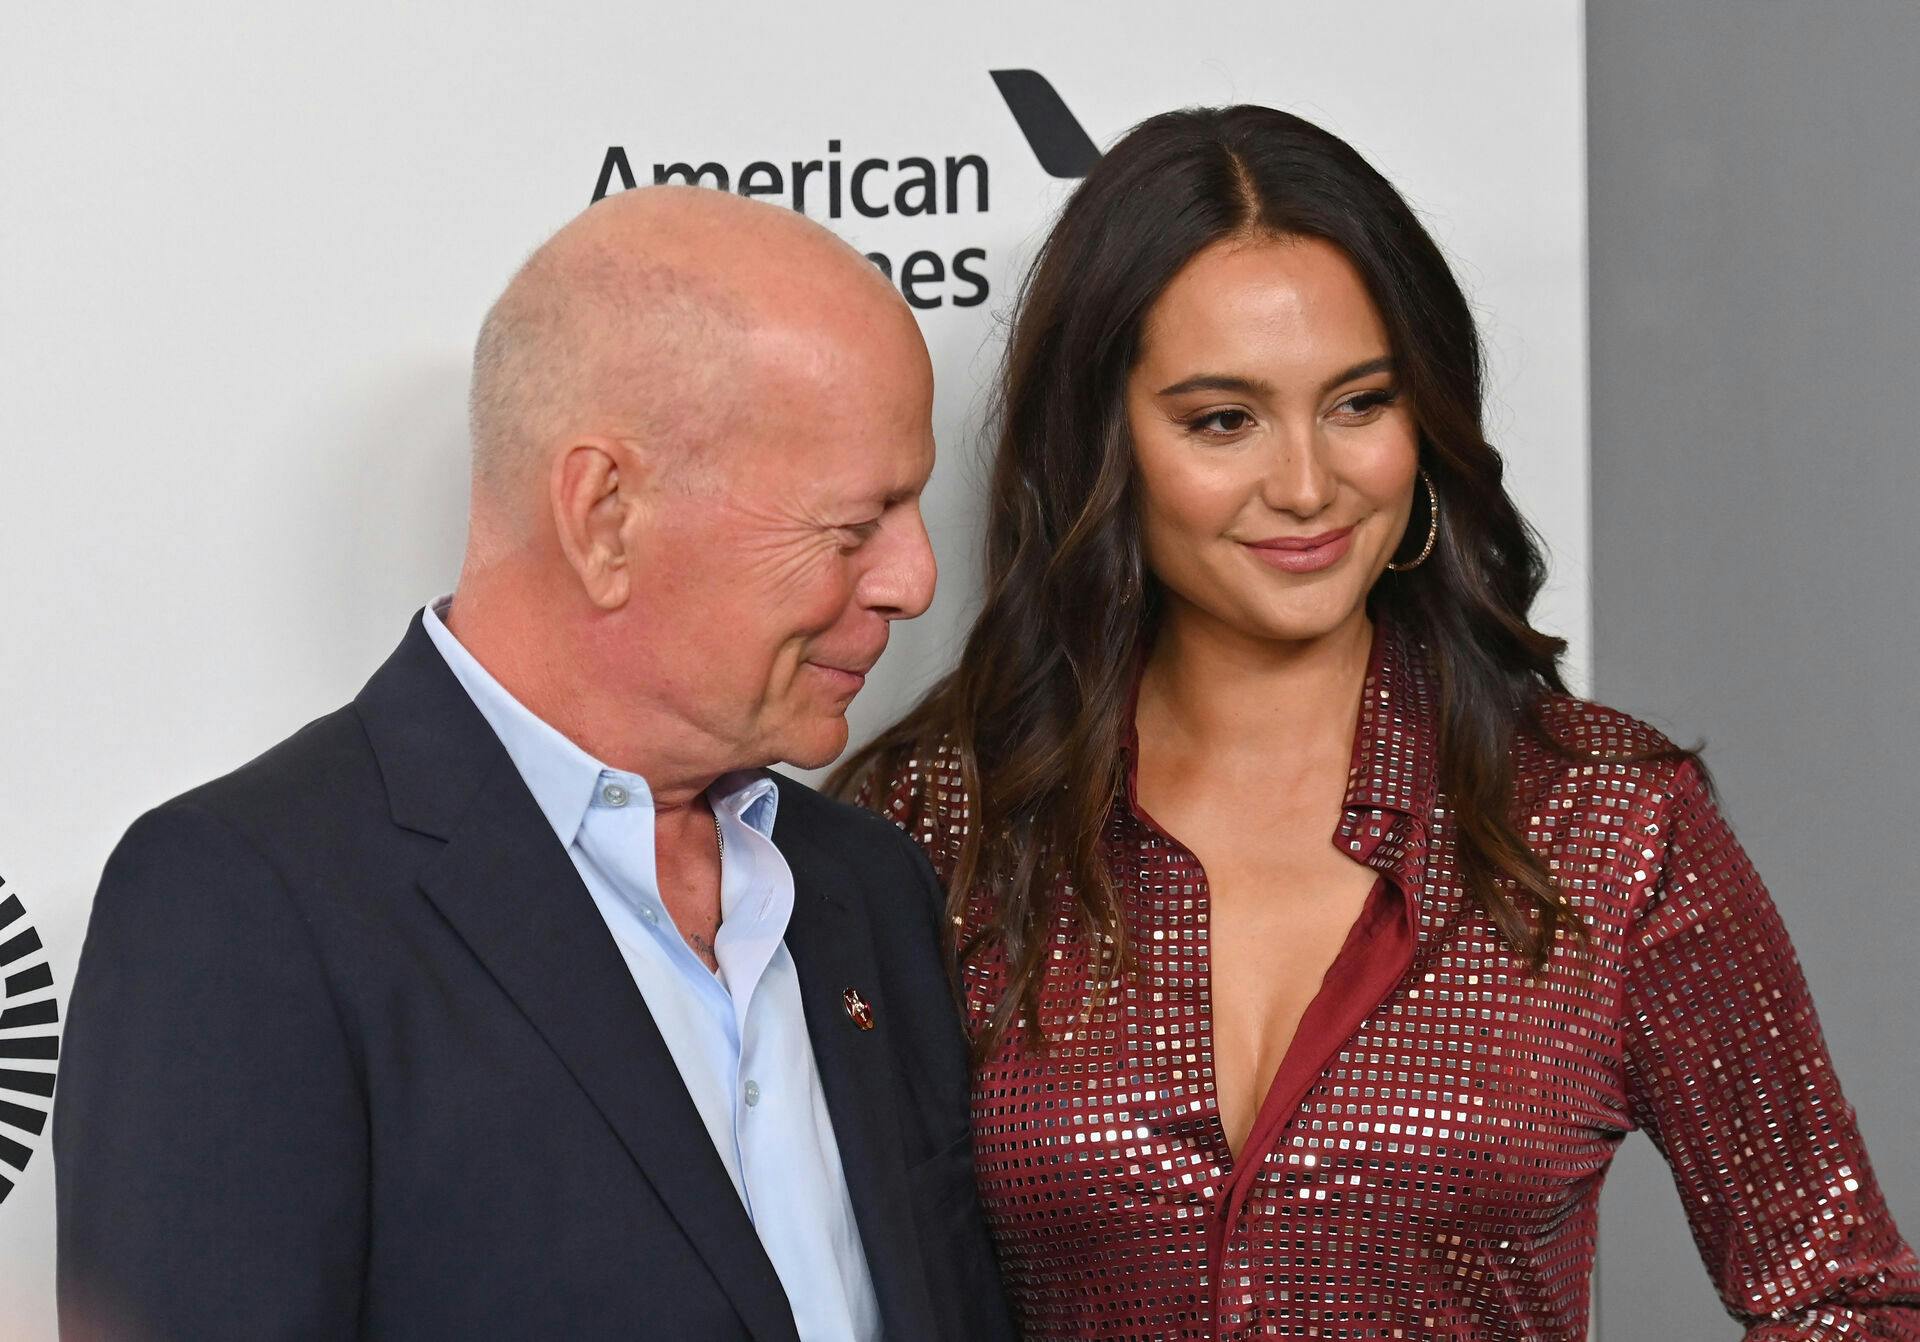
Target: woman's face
1277 457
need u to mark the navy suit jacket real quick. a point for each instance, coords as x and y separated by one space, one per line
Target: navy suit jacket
351 1054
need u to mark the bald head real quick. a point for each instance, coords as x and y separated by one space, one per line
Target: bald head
701 429
638 320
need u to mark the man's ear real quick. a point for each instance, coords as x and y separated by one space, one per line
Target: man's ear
596 488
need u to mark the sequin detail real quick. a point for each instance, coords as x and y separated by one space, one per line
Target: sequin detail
1440 1178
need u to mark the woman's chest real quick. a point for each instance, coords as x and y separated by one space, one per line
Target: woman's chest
1469 1089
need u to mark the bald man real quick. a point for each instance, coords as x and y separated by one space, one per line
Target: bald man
517 999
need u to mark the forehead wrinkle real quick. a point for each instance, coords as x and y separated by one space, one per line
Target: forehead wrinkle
806 378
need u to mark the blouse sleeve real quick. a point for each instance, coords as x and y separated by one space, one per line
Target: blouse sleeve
1730 1076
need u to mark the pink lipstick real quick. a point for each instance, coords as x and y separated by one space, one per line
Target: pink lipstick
1303 554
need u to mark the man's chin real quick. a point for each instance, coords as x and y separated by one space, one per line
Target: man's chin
818 748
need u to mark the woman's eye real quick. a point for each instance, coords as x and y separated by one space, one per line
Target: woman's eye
1221 422
1366 405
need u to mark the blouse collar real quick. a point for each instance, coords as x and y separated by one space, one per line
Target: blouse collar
1392 783
1396 743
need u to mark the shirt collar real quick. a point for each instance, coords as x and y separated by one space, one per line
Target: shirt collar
1395 743
1392 784
563 778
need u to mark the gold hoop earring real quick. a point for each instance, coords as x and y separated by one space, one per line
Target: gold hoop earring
1433 528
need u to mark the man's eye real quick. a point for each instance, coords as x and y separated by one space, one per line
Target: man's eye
859 533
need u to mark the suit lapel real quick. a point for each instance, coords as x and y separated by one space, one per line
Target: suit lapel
832 949
512 894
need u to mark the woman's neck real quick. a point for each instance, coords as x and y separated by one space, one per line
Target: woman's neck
1212 691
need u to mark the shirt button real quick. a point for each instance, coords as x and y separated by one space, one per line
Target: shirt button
752 1093
613 795
653 919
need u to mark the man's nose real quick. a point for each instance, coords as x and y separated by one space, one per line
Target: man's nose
899 584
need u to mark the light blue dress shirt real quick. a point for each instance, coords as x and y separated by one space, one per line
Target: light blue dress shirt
739 1037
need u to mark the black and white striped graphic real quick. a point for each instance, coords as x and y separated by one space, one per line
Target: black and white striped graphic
29 1044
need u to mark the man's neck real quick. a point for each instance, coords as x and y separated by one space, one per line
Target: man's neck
547 665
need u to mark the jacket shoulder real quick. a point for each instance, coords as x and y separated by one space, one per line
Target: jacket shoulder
829 821
874 853
321 778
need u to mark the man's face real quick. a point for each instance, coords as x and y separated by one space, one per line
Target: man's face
766 591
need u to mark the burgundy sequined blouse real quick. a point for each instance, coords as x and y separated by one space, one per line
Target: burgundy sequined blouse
1428 1162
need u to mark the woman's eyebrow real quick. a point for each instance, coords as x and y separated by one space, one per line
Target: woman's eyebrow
1382 363
1246 386
1253 386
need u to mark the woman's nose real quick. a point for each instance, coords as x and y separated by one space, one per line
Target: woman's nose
1297 480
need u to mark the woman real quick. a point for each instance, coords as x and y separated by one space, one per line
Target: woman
1318 948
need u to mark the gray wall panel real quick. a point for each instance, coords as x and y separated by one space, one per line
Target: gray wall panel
1755 299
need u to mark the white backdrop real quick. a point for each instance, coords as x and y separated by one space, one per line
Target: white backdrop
244 248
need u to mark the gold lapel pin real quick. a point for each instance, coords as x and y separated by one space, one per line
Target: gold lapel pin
857 1008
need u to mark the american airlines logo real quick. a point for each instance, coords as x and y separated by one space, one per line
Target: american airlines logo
833 185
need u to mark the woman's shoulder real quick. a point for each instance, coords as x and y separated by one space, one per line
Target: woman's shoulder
1590 747
1581 727
1604 796
921 787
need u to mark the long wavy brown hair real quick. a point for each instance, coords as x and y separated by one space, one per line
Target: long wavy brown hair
1035 712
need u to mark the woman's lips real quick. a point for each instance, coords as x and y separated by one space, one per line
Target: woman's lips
1303 554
